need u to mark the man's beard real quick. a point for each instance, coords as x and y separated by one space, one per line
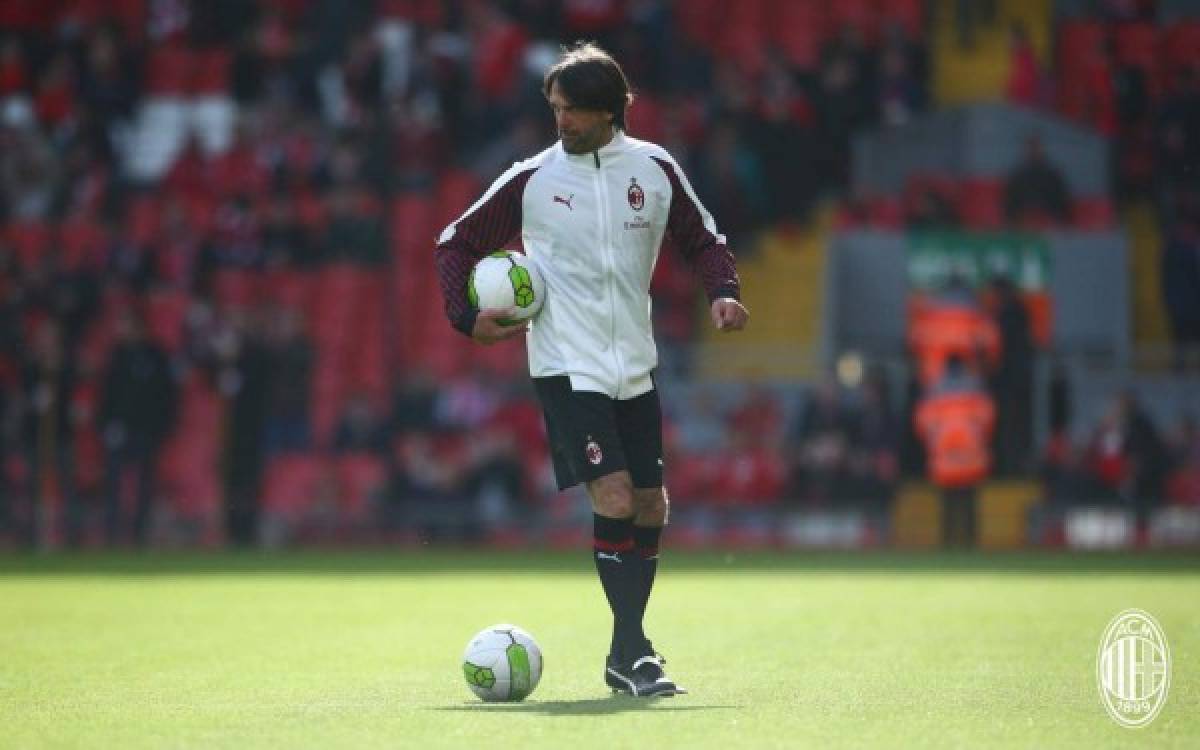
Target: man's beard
582 142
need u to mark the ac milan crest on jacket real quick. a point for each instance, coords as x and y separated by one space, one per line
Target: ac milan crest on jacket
593 223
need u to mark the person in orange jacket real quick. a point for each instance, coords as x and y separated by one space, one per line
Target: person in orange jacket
955 422
949 323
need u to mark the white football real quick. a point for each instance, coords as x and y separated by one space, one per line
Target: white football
505 279
502 663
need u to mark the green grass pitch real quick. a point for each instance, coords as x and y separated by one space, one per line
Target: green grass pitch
362 650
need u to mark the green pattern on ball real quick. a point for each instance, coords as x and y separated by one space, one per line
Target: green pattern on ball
479 676
472 295
521 684
522 285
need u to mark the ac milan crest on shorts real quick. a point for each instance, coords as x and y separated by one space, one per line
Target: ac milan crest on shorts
592 435
594 454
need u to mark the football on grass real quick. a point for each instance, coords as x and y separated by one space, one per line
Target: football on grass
505 279
502 663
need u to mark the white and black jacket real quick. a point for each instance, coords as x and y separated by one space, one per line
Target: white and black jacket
593 223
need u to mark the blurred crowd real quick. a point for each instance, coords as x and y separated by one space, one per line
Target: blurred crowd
216 218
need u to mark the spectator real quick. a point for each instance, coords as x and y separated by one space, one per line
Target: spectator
843 104
1149 459
782 135
137 413
1181 290
931 208
1024 75
495 480
421 493
1012 381
730 183
820 440
1059 399
873 460
969 15
291 359
951 322
702 428
353 234
955 420
901 95
360 429
1178 131
48 382
1184 444
1127 458
414 403
245 381
1035 192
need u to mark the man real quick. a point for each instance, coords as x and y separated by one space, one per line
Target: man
1035 192
955 420
592 211
137 414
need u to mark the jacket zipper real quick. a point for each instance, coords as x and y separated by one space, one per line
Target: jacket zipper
602 196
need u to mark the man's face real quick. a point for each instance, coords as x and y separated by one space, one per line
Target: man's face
581 130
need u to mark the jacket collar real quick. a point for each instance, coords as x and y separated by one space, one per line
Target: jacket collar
609 150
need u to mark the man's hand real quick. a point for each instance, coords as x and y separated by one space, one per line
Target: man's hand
488 328
729 315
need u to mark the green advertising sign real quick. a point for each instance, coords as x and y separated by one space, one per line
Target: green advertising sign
934 256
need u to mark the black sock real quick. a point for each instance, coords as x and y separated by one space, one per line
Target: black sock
620 572
645 543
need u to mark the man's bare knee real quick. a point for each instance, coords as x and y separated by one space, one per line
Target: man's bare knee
651 506
612 495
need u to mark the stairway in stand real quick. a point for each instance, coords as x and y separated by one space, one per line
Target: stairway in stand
981 72
783 285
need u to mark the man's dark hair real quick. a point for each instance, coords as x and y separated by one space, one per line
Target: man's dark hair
591 79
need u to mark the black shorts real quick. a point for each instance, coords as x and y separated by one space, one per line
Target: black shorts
592 435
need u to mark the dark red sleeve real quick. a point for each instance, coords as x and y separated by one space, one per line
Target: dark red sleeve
487 226
705 250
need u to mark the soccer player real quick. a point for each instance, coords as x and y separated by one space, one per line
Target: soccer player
592 211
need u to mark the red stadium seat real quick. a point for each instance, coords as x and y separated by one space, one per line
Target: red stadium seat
210 72
426 13
981 203
30 240
1093 212
291 484
646 118
908 14
1183 45
166 315
1078 43
168 70
456 192
887 212
1183 487
359 476
412 230
290 288
143 217
82 243
861 15
744 37
310 210
700 20
236 288
1137 44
